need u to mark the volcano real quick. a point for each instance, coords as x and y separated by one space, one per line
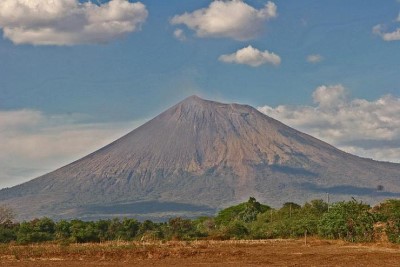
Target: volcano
197 157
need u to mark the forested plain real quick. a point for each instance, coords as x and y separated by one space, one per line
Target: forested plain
352 221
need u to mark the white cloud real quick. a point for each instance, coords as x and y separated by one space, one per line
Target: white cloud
69 22
233 19
386 36
392 36
251 56
380 30
314 58
328 97
365 128
33 143
180 34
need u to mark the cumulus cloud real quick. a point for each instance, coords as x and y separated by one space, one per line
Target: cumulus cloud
392 36
232 19
69 22
252 57
386 36
314 58
380 30
365 128
328 97
33 143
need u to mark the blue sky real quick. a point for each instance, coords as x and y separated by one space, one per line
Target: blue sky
337 59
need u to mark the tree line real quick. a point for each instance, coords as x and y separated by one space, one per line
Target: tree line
351 220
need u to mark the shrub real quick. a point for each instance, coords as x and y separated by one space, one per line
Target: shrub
7 235
350 220
389 212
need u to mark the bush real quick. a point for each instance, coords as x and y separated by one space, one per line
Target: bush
350 220
182 229
63 230
35 231
7 235
235 230
389 212
83 232
130 229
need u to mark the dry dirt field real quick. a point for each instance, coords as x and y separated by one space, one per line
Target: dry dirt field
204 253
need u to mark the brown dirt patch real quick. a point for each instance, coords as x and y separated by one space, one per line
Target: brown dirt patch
204 253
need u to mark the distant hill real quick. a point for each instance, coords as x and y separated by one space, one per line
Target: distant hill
197 157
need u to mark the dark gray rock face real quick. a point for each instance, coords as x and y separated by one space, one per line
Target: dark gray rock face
199 156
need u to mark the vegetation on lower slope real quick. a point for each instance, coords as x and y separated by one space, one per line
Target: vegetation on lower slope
349 220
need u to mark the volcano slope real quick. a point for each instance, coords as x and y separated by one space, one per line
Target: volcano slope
199 156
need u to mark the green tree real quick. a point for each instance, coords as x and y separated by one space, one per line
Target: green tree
130 228
235 229
105 231
82 232
63 230
245 212
35 231
45 225
204 226
8 232
316 207
151 230
310 214
351 220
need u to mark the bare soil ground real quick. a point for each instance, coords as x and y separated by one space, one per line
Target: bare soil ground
204 253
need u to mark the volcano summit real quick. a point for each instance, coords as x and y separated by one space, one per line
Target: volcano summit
199 156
